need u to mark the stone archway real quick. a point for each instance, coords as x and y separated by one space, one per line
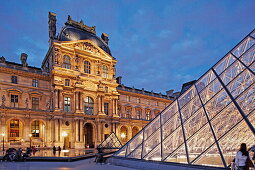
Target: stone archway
88 135
123 134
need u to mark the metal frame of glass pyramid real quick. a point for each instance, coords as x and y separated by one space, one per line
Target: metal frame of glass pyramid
111 142
207 123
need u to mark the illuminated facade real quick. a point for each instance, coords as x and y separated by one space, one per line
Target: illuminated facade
74 99
208 122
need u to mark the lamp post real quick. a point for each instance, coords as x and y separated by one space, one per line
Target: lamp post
3 140
64 134
30 136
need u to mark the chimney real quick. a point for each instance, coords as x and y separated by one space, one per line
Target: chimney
119 79
23 59
52 25
170 93
105 37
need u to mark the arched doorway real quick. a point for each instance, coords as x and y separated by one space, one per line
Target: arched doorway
88 134
135 130
123 134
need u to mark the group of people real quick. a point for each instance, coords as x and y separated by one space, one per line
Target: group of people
55 149
242 160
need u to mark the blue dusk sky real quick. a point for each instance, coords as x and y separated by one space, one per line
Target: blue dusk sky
159 45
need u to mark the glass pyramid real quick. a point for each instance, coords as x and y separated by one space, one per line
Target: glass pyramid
111 142
207 123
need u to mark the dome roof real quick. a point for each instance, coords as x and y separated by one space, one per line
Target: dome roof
71 33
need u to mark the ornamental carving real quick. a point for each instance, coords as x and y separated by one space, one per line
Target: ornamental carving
85 46
57 56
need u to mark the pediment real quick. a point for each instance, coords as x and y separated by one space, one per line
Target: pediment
87 46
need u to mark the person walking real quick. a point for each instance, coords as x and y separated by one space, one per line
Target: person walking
241 158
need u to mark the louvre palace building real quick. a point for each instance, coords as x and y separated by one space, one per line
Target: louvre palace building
74 99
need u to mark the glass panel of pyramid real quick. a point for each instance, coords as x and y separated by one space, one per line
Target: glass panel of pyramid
207 123
111 142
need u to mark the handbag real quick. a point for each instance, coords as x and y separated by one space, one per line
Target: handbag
248 163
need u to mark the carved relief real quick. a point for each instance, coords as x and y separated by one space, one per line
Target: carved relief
85 46
57 56
58 81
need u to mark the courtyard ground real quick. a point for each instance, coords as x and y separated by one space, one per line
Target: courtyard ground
78 165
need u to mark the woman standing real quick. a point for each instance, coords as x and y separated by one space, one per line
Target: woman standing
241 157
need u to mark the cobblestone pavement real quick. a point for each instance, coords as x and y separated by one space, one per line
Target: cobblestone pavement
78 165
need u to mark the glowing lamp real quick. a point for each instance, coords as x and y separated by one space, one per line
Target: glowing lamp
123 135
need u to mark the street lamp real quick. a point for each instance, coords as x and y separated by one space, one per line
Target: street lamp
64 134
30 136
3 140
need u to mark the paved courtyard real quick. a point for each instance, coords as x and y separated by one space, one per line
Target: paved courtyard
78 165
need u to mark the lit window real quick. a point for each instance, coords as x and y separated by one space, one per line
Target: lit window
67 104
87 67
138 100
88 106
14 100
67 82
66 62
14 128
14 79
35 83
105 71
35 129
35 103
148 115
106 108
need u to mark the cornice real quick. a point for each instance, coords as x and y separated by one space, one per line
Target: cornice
143 95
24 73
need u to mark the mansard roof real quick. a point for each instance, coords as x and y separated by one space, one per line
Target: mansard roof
73 31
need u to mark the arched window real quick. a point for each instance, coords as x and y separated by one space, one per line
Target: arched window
148 115
66 62
88 106
87 67
14 128
35 128
105 71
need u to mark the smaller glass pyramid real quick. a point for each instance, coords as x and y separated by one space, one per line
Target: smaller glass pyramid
111 142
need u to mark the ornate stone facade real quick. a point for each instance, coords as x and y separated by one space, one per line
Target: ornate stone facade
74 100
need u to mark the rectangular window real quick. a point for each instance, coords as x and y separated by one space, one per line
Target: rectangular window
35 128
14 100
67 104
14 79
35 103
128 98
106 108
35 83
67 82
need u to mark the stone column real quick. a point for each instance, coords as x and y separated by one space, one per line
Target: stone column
99 105
61 131
81 131
56 130
61 100
56 99
27 129
102 104
98 132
